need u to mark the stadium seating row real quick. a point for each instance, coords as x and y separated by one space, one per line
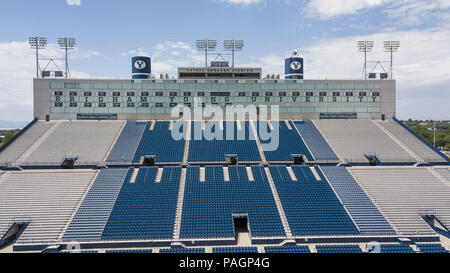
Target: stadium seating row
142 203
124 143
209 205
405 195
44 199
320 248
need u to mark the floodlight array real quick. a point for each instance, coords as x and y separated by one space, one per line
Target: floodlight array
233 45
37 42
206 44
391 46
68 43
365 46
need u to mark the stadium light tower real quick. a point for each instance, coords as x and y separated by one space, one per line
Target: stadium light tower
391 46
233 45
66 44
206 45
37 43
365 46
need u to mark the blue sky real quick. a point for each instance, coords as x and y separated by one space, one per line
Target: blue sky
109 32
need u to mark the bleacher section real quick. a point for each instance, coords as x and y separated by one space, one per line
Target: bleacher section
310 205
22 143
89 141
366 216
213 144
202 202
444 173
289 142
91 217
182 250
127 143
413 143
235 250
160 142
45 199
145 209
315 141
432 248
338 249
209 205
287 249
386 248
404 194
353 139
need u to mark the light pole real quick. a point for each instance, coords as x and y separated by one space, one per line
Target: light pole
233 45
206 45
66 44
391 46
365 46
37 43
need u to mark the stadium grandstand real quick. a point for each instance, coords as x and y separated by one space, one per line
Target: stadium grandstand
338 175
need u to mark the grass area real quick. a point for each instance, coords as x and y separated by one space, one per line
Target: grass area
6 135
425 130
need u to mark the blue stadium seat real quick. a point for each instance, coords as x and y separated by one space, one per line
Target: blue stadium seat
208 149
287 249
92 215
130 251
432 248
127 143
209 206
365 214
160 142
235 250
315 141
289 142
311 207
182 250
386 248
145 209
338 249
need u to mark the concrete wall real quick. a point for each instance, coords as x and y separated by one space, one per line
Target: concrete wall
44 97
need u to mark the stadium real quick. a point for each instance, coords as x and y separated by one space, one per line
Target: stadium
141 165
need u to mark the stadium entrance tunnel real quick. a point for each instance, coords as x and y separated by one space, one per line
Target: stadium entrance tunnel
69 162
231 159
373 159
240 226
12 234
299 159
436 225
149 160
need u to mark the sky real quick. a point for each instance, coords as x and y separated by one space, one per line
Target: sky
325 32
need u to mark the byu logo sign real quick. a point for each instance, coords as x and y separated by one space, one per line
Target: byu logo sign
296 65
139 64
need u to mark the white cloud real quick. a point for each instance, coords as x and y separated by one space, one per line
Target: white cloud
242 2
169 55
136 52
18 68
73 2
407 11
420 67
326 9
